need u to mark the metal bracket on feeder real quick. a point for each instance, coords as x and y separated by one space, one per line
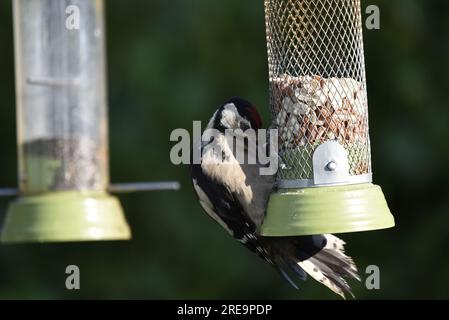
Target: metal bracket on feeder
330 164
62 129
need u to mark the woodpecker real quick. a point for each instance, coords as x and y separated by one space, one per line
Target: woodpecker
236 195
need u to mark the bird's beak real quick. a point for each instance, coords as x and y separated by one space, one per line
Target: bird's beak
244 126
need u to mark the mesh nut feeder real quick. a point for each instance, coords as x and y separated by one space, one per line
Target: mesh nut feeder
62 129
319 105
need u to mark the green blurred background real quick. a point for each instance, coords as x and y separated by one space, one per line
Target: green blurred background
171 62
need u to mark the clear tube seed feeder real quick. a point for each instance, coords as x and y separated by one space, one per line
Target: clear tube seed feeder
319 105
62 126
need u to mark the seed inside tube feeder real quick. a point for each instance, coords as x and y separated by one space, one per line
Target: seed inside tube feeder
74 163
312 109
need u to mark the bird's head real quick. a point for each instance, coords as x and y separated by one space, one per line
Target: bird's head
236 113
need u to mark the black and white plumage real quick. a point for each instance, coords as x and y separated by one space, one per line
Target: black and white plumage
236 196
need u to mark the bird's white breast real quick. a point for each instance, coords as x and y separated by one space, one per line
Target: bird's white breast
243 180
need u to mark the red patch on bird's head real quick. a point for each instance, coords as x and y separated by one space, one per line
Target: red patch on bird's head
254 117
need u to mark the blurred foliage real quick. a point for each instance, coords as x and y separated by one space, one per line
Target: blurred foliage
171 62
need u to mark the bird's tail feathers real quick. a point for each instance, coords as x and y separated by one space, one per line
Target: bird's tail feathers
323 258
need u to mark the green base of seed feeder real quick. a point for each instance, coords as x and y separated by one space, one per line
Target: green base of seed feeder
337 209
65 217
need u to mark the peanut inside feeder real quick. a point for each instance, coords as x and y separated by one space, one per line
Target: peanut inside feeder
319 105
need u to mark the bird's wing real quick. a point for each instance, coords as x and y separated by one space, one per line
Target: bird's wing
221 204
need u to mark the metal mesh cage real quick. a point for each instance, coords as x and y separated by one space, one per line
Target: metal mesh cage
317 83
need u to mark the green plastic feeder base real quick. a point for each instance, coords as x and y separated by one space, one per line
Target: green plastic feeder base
64 217
340 209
